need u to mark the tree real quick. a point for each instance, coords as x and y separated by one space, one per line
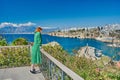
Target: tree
3 42
20 41
59 31
98 28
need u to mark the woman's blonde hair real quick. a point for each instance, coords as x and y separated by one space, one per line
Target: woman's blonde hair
38 29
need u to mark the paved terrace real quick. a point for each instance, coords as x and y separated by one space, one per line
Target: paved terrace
20 73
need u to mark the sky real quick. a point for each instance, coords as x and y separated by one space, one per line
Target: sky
60 13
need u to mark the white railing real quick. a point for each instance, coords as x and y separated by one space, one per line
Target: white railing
61 72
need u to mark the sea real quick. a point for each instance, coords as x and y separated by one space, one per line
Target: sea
69 44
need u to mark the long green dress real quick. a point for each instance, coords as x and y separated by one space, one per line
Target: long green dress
36 54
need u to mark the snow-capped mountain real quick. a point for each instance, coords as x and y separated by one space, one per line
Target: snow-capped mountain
23 29
11 29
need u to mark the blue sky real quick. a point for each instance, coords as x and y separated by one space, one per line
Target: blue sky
61 13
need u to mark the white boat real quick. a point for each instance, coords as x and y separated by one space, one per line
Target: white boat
98 53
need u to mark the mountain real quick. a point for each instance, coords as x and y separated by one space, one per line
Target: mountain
23 29
11 29
8 29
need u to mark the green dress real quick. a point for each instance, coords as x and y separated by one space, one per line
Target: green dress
36 54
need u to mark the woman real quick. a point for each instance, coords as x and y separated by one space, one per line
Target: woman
36 54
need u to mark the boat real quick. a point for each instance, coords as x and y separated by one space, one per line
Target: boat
98 53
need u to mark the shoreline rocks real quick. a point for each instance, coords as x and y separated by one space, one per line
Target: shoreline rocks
88 52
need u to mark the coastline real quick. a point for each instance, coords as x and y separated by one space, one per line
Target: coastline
103 39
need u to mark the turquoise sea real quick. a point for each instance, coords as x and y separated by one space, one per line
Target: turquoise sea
69 43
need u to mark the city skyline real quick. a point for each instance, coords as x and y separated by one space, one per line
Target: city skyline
60 13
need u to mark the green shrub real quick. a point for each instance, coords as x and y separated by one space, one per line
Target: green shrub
86 68
20 41
3 42
14 57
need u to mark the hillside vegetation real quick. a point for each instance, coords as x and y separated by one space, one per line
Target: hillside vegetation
86 68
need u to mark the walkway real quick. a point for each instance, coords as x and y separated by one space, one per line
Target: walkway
19 73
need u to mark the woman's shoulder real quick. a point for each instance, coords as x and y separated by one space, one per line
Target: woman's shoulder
37 33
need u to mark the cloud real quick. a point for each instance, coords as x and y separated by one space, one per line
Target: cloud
49 27
27 24
4 24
